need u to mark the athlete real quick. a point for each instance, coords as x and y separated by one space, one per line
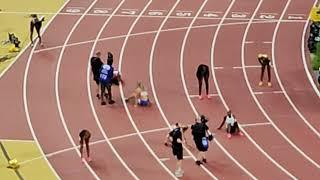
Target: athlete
139 96
84 139
265 62
203 73
96 65
177 139
232 124
36 23
201 135
106 75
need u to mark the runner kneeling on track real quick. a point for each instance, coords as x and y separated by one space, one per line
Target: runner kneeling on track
176 138
84 139
232 124
139 96
201 135
203 74
96 65
106 75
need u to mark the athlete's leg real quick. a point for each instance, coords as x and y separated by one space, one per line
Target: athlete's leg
206 80
269 75
39 35
262 74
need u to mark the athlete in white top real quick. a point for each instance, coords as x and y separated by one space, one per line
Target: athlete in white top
231 123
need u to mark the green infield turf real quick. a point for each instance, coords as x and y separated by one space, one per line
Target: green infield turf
14 18
23 152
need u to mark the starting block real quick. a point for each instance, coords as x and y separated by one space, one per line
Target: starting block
315 14
13 164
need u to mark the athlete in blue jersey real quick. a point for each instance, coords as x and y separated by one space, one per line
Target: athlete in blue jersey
106 75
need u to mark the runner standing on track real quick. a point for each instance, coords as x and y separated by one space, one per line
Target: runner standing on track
176 138
37 24
106 75
201 135
84 138
96 65
203 73
265 62
232 124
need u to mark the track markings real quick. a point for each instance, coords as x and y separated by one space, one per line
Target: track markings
196 96
167 159
268 92
256 124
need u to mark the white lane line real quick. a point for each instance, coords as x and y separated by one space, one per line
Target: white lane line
187 93
152 79
256 124
123 97
75 7
106 138
303 53
25 99
255 98
168 159
248 66
267 42
268 92
249 42
18 140
287 96
218 67
94 143
269 13
152 32
196 96
296 14
57 94
223 100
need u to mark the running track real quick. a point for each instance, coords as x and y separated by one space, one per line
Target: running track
48 95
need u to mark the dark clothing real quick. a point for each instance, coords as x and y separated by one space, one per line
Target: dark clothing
203 73
84 136
233 129
265 62
199 130
106 74
319 78
230 129
37 24
177 149
96 65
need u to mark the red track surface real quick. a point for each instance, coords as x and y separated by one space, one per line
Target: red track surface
46 91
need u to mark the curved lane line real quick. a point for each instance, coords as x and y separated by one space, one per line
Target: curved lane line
189 99
285 93
223 100
90 97
164 30
123 98
57 85
248 83
25 79
280 82
303 53
153 87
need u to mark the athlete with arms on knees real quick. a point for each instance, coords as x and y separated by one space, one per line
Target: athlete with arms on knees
84 139
203 74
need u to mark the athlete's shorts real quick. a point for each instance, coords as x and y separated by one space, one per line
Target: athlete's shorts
199 145
143 102
177 151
